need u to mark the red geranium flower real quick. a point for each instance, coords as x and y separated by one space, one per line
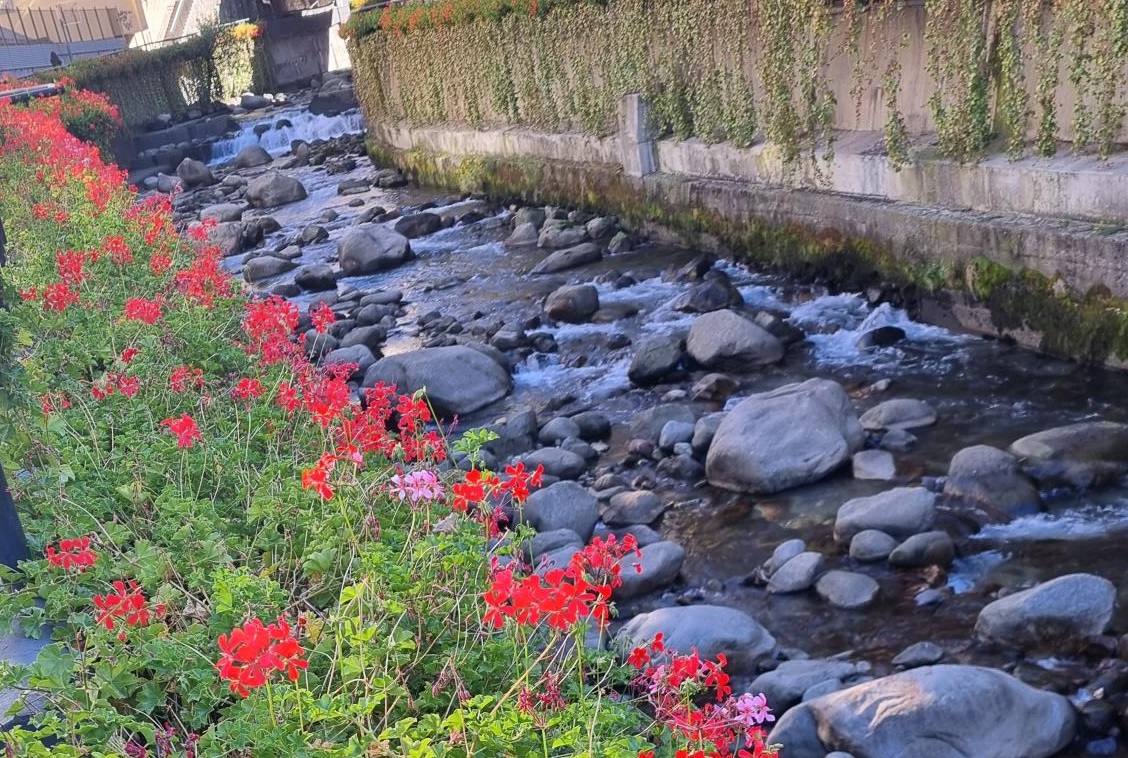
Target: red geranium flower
252 651
185 429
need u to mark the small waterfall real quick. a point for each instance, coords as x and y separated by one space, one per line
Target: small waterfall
303 125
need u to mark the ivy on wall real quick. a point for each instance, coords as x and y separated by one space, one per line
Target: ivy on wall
1021 74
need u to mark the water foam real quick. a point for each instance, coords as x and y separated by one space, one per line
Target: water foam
304 126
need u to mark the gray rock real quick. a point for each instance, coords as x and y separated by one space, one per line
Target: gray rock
901 413
264 267
648 424
711 629
558 430
558 462
846 589
1088 454
931 712
333 98
919 654
655 358
704 431
574 303
370 249
1056 614
638 507
561 260
229 236
564 505
273 188
560 236
674 432
681 466
458 379
546 542
783 553
252 156
797 575
602 227
167 184
660 563
925 549
369 336
316 277
874 464
523 234
534 216
713 294
793 435
642 533
900 513
620 243
555 559
714 387
989 480
882 336
194 173
418 224
897 441
784 685
311 234
253 102
358 354
224 212
871 545
726 340
825 688
592 425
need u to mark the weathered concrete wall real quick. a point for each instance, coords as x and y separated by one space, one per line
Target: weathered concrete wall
1031 250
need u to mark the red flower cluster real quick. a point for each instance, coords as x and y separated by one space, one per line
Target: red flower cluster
113 382
183 377
322 317
140 309
269 324
58 297
127 605
74 553
69 265
247 389
254 650
717 729
477 486
53 402
317 477
185 429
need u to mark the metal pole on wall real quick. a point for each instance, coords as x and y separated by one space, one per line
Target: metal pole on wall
13 542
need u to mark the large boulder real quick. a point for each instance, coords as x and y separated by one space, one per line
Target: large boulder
369 249
793 435
1059 613
266 266
657 566
561 260
726 340
194 173
252 156
334 98
900 513
1086 454
655 358
273 188
224 212
899 413
712 294
458 379
559 235
572 303
710 629
564 505
931 712
784 685
359 355
418 224
990 482
316 277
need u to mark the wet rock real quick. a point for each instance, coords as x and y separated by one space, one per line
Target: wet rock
333 98
793 435
316 277
871 545
273 188
902 413
574 303
935 711
252 156
602 228
370 249
900 513
714 387
534 216
724 339
990 480
194 173
797 575
712 294
1088 454
383 297
1056 614
548 541
557 430
882 336
660 563
317 346
593 425
458 379
674 432
642 533
655 358
312 234
561 260
1105 746
229 236
299 149
919 654
558 236
629 508
355 186
223 212
558 462
874 464
264 267
897 441
647 424
620 243
564 505
681 466
784 685
711 629
252 102
704 431
260 226
419 224
389 178
846 589
523 234
783 553
779 327
925 549
357 354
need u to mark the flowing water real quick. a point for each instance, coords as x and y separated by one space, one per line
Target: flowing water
985 392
